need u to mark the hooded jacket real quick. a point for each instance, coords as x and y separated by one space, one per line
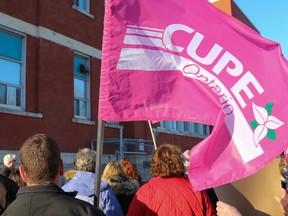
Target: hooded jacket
169 197
124 191
83 183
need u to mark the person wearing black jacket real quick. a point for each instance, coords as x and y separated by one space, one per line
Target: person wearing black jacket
41 168
8 191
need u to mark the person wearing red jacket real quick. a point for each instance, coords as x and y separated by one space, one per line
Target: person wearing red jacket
169 192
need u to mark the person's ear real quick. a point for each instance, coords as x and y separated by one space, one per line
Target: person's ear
61 167
22 173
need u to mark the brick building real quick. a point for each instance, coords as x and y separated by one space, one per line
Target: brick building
50 59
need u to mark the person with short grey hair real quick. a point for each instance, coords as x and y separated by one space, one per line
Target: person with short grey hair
85 160
84 181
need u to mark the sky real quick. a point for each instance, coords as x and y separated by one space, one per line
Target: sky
270 17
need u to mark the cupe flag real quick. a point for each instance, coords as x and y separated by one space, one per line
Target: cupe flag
185 60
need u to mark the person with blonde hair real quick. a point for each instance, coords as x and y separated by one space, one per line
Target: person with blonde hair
168 192
124 190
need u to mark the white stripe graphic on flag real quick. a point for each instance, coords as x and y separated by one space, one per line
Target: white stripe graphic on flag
156 60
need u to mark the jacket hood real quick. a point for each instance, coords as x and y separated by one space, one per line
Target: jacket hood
84 182
121 186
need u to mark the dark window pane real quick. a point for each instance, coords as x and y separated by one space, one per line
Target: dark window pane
2 94
76 107
18 97
76 2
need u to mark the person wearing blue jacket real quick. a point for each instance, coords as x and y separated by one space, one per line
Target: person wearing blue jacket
83 183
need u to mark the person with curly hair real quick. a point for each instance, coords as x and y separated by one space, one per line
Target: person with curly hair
168 192
131 172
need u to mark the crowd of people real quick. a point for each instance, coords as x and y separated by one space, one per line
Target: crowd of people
35 188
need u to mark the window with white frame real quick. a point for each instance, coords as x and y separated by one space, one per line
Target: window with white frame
12 69
81 86
83 5
185 127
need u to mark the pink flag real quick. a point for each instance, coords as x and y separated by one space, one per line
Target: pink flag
186 60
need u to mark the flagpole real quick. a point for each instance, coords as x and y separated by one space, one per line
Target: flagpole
98 166
152 134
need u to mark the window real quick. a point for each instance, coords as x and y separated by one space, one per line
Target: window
81 87
11 70
83 5
185 128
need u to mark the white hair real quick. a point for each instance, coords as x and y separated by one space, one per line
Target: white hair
85 160
8 157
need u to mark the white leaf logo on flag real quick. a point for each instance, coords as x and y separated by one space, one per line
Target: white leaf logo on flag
265 123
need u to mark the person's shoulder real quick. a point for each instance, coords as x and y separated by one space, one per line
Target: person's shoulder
73 184
176 181
69 206
123 187
104 186
86 198
87 207
148 185
166 182
135 182
3 171
8 183
80 205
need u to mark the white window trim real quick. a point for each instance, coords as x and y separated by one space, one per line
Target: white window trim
83 121
21 113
